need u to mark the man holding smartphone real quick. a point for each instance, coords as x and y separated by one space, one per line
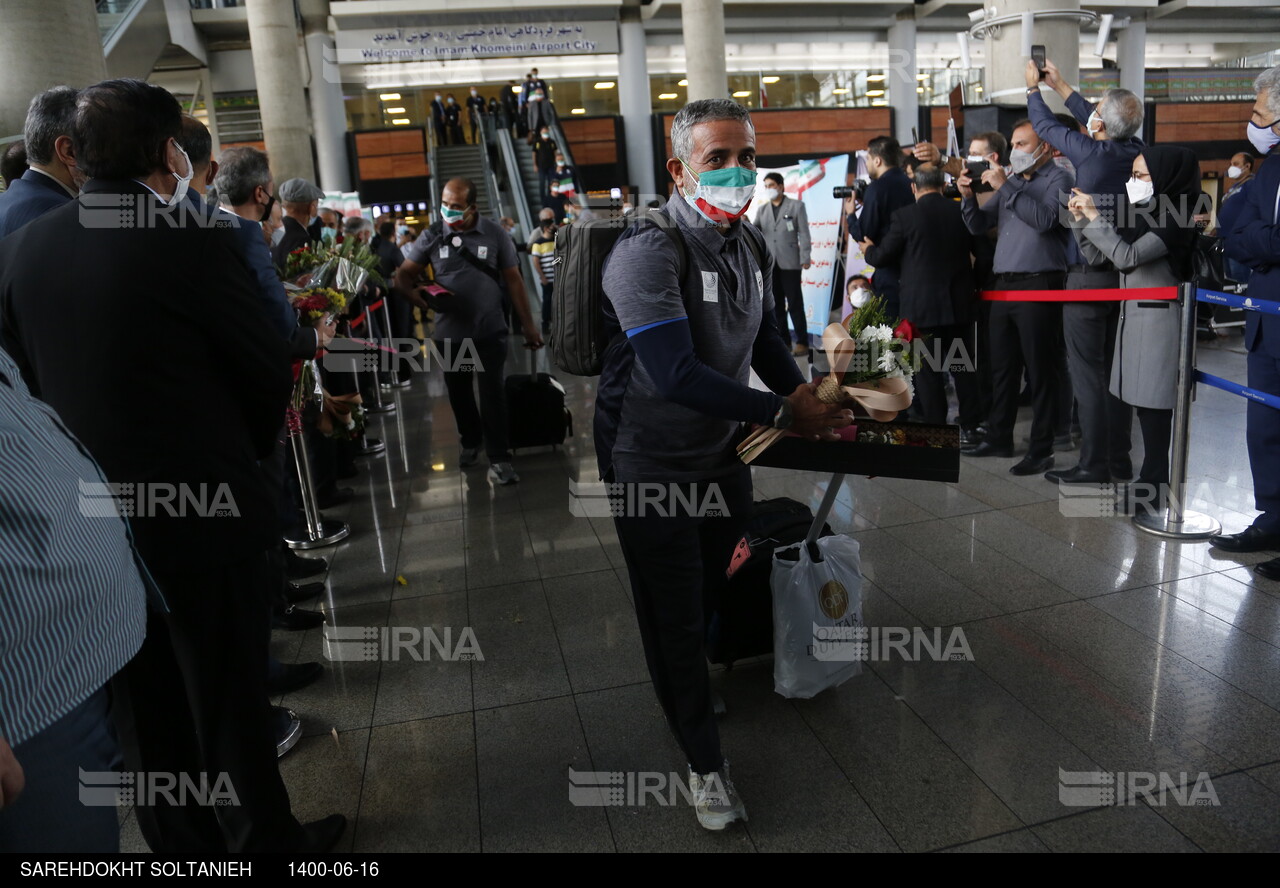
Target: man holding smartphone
1102 159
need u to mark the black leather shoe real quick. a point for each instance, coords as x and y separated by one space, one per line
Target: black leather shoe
293 618
1076 475
1122 471
299 568
1269 569
1030 466
970 437
988 448
294 677
1251 539
334 496
322 835
296 592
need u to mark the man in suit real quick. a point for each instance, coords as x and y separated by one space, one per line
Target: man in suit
476 109
194 699
52 177
437 120
785 225
889 191
932 245
301 202
1252 231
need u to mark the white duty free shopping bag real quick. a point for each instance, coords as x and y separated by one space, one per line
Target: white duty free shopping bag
819 640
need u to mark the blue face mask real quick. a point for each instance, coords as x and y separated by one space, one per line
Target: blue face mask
328 235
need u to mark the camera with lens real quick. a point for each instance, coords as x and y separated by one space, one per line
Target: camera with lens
856 190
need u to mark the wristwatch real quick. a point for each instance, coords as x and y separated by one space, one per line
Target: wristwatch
782 419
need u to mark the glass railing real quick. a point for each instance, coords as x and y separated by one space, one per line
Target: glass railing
111 15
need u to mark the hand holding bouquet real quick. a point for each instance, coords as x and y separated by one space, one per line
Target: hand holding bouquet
872 362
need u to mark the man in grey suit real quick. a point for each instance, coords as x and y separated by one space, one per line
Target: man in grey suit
785 227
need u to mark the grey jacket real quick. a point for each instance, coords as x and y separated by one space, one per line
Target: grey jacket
788 237
1145 369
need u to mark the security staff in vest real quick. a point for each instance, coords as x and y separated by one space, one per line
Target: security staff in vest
672 395
473 258
1103 161
1031 254
785 226
889 191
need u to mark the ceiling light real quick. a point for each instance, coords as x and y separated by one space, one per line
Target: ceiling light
978 88
742 94
875 77
839 90
393 111
515 89
390 97
875 92
578 111
771 79
606 84
922 77
683 83
401 121
668 95
919 89
879 102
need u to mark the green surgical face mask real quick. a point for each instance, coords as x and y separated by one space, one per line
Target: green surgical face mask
722 195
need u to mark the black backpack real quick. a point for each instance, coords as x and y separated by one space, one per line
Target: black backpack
578 333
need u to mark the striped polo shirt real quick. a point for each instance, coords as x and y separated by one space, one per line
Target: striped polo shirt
72 598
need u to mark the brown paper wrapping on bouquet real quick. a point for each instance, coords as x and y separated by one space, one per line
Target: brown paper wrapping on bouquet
337 409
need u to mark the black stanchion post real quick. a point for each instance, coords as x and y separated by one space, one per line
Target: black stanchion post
316 530
1176 521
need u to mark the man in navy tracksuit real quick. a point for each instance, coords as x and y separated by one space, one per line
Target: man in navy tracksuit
1253 238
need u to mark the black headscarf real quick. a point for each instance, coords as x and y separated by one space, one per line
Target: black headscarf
1175 177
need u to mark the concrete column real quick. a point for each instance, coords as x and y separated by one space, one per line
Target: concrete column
703 24
1005 82
902 82
45 43
634 100
1131 56
273 36
328 114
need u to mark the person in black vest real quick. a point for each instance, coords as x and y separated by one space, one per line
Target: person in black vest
932 245
204 659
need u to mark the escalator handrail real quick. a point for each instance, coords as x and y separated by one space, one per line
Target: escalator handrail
557 134
507 151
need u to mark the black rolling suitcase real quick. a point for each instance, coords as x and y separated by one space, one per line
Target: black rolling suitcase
742 624
536 412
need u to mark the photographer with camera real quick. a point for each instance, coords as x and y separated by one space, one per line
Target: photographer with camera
1102 159
889 191
1031 254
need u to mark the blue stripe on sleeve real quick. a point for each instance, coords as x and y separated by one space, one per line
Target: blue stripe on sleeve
634 330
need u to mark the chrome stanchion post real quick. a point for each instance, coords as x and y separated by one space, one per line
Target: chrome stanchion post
395 380
1177 521
378 405
316 530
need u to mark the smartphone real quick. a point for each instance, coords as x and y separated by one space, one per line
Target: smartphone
1037 56
975 168
915 139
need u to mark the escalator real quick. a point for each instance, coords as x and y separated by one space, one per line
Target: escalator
467 162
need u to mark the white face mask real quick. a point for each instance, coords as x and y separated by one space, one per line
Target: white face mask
859 297
771 194
1022 161
277 235
1139 191
1234 172
1094 118
180 190
1263 138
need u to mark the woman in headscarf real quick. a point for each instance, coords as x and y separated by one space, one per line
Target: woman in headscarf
1151 246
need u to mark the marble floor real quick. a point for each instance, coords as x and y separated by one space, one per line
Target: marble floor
1096 648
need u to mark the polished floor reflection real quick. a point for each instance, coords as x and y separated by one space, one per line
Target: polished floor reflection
1098 652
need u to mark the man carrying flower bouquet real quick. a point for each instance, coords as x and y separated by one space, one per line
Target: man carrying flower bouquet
671 398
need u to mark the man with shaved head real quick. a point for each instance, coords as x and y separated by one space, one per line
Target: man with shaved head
474 259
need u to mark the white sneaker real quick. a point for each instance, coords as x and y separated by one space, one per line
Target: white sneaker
503 473
715 800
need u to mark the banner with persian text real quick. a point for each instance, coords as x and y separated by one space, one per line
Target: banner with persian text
479 41
811 182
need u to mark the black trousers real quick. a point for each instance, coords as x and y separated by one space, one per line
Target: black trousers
1025 333
930 382
486 424
677 564
788 301
1105 420
194 699
1157 435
